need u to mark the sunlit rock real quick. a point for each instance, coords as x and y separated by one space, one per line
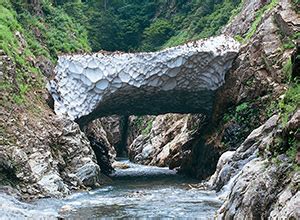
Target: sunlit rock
179 79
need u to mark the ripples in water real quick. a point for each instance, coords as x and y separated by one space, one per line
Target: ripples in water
137 192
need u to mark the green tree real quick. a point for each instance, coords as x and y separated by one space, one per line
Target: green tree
157 34
105 31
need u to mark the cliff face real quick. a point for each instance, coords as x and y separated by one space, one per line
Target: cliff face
256 184
262 175
165 140
42 154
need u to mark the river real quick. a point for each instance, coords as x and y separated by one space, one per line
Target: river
136 192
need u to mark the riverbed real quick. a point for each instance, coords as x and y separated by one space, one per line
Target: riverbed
136 192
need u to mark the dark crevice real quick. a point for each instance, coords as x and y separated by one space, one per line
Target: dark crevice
102 155
122 146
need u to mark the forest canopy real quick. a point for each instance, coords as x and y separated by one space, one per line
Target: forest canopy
125 25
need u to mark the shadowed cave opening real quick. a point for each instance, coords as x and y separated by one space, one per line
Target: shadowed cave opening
193 157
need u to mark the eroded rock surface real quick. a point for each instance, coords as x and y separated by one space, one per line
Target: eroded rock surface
102 147
165 140
231 162
179 79
255 183
41 154
49 159
257 71
241 22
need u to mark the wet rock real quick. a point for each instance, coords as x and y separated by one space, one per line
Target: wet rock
101 144
75 144
219 179
89 174
231 163
66 209
255 187
102 156
254 190
120 165
115 129
51 157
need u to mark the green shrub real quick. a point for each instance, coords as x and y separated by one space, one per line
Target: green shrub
157 34
258 18
287 70
148 128
205 20
43 36
241 107
290 102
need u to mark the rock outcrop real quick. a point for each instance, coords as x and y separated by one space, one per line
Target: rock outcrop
138 125
179 79
255 80
257 71
116 132
48 159
257 184
41 154
259 178
108 138
165 140
230 163
243 20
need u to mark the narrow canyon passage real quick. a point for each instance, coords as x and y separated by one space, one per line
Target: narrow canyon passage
149 109
137 191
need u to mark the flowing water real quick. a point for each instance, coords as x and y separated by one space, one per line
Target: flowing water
137 192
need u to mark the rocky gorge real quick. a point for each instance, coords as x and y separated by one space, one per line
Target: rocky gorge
246 149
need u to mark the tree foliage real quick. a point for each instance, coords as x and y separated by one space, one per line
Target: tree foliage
125 25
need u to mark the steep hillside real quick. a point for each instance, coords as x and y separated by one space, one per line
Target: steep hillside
133 25
35 144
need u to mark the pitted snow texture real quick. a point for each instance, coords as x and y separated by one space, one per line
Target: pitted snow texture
85 82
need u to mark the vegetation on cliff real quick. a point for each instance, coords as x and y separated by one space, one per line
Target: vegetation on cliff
121 25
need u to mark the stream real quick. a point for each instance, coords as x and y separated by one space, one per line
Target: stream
136 192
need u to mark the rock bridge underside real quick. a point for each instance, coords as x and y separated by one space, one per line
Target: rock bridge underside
182 79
